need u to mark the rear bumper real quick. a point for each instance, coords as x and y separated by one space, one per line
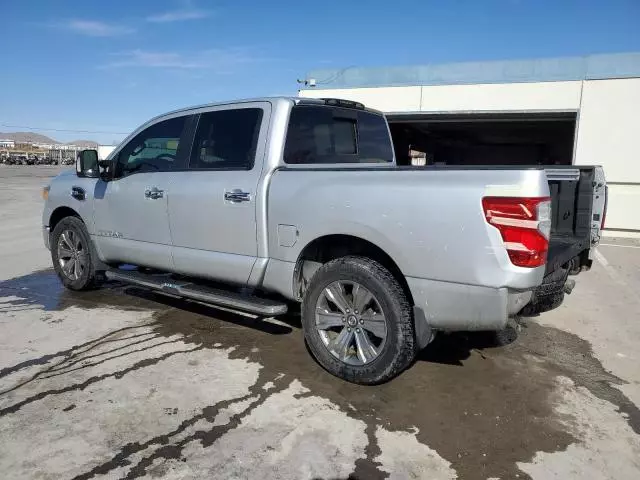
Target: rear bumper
454 306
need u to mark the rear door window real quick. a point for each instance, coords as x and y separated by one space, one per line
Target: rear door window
226 139
322 134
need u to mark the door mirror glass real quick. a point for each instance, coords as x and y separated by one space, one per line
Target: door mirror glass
87 164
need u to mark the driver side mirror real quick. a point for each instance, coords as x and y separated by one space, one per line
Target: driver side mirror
87 164
105 169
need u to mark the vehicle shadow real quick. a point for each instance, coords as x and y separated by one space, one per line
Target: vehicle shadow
280 325
453 348
43 290
446 348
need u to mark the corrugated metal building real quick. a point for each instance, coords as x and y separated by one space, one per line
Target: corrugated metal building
576 110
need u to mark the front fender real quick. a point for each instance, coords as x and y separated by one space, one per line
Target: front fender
61 196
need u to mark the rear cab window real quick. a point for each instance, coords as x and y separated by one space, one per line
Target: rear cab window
320 134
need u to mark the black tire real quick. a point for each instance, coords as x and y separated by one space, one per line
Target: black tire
399 349
88 277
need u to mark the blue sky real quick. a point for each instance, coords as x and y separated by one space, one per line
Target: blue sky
107 66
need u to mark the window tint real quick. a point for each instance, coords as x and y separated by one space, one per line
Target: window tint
155 149
320 134
344 136
374 142
227 139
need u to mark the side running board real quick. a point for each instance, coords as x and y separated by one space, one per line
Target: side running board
202 293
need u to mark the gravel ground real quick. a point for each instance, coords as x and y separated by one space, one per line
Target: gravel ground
126 383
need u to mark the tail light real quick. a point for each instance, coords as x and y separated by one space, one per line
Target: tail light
525 226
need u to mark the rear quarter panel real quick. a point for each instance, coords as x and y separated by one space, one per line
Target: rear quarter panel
430 222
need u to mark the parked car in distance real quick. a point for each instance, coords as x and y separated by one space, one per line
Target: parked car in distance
255 204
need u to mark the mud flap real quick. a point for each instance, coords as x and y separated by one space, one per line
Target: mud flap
424 332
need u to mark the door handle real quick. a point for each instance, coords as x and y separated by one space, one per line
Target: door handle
237 196
153 193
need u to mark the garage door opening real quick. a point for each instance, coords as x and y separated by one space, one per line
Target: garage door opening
483 139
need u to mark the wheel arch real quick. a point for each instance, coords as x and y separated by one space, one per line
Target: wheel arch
329 247
60 213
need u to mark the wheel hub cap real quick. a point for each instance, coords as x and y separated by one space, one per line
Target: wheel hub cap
350 322
72 256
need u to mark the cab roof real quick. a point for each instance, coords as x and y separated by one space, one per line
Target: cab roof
335 102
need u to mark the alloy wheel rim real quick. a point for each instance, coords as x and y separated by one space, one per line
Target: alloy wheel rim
72 254
351 322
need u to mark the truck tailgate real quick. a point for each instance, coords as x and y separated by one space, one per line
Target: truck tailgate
578 203
572 191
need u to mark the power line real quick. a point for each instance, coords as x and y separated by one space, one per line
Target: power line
62 130
333 77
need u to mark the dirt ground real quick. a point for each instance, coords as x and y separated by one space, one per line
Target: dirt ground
125 383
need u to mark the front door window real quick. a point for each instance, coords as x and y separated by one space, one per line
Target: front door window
155 149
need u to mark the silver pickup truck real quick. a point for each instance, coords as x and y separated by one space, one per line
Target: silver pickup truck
254 205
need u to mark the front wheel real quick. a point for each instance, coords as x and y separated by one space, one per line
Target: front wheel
357 321
72 255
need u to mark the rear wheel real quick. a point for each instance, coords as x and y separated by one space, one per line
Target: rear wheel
72 255
358 322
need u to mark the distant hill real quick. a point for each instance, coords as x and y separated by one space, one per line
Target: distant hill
31 137
27 137
84 143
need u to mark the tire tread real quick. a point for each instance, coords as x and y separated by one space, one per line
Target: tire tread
93 279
